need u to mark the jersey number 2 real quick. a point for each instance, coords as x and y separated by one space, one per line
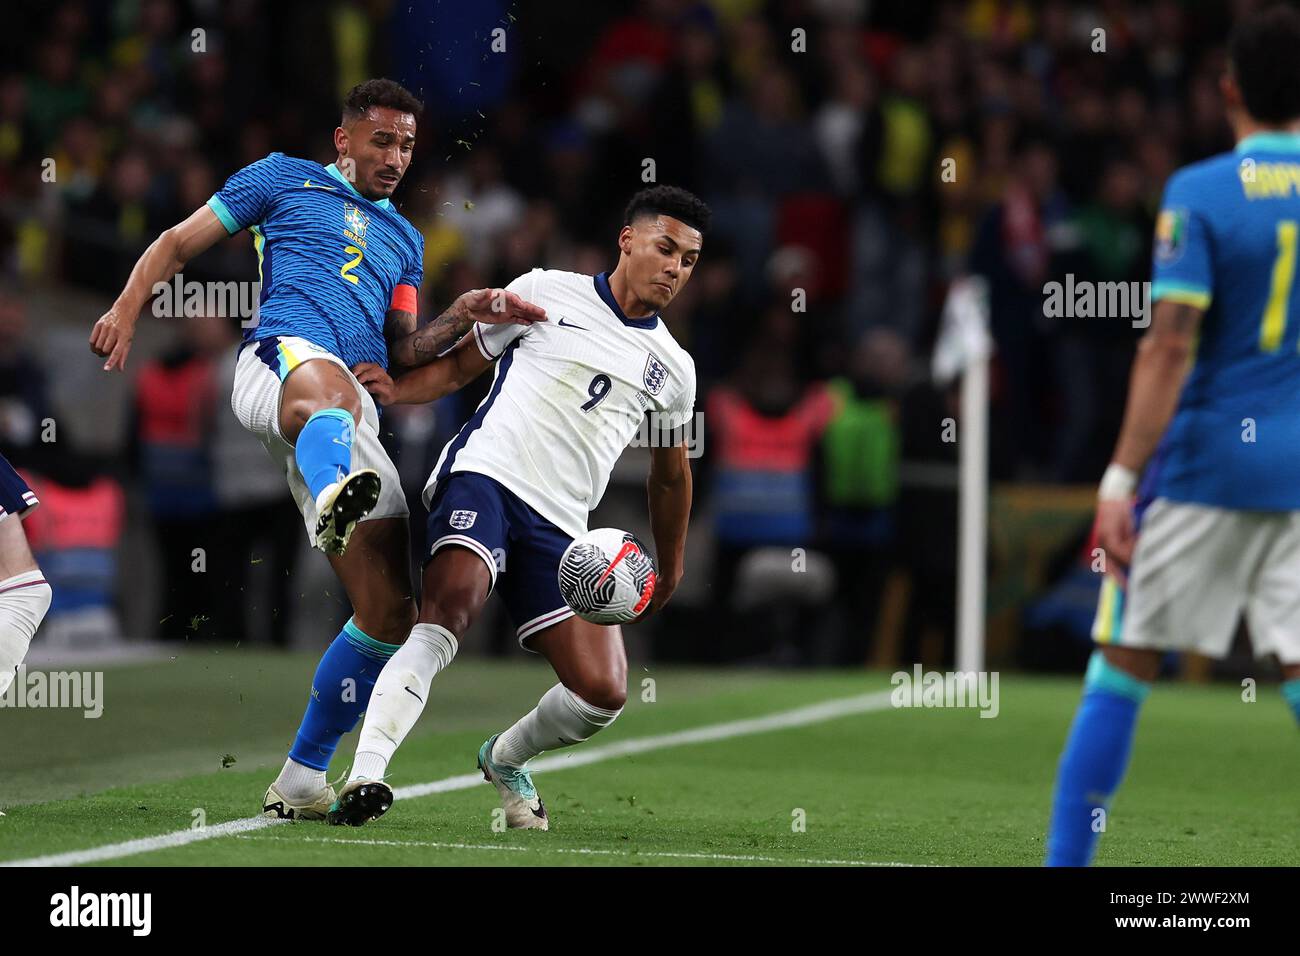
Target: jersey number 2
352 264
1279 295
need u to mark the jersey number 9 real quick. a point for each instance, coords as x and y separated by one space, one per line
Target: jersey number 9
598 389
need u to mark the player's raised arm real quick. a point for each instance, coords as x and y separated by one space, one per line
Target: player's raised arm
668 493
410 347
428 382
166 256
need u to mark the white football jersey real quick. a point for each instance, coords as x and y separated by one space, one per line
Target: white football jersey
568 395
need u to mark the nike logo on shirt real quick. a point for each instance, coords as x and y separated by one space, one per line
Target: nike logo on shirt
307 184
570 325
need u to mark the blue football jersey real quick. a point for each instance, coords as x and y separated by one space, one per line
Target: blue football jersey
329 258
1226 242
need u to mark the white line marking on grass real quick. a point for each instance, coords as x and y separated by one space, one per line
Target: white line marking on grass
582 851
783 720
115 851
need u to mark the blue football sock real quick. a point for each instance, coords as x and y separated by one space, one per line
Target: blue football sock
1094 761
324 448
1291 694
340 692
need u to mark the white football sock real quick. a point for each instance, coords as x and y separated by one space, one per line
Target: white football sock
299 783
560 719
399 696
24 599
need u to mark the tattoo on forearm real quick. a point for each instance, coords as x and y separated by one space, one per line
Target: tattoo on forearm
398 324
439 334
429 341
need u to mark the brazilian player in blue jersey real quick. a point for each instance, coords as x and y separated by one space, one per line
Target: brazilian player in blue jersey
340 270
1212 424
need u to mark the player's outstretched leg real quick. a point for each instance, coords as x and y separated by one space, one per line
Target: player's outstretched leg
375 575
319 411
591 663
1097 752
24 594
456 585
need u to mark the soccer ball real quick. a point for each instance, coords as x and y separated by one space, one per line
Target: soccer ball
607 576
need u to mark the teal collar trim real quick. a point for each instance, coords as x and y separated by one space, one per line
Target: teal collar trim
1277 142
333 170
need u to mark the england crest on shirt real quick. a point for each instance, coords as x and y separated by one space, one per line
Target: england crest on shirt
462 520
655 375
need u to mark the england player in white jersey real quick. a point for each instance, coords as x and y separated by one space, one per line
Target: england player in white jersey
515 487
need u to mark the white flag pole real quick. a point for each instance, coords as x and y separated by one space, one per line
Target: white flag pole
964 348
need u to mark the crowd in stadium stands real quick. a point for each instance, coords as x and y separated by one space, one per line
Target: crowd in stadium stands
855 166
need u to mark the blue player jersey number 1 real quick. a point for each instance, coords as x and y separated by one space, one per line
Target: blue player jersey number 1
1274 323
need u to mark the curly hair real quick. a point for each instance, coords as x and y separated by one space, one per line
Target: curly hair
378 92
669 201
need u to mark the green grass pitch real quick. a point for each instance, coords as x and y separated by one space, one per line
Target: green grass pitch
1213 779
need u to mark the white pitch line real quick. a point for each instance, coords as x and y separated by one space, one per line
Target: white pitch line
584 851
783 720
166 841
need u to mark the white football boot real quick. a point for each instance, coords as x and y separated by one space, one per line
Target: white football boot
275 805
524 809
342 505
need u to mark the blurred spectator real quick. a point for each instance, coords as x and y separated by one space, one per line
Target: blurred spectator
860 453
762 433
173 406
694 91
17 128
763 146
1013 251
111 227
75 535
848 128
1092 355
259 529
24 402
904 169
54 93
482 207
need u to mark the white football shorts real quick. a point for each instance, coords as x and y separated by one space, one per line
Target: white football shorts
259 374
1196 569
